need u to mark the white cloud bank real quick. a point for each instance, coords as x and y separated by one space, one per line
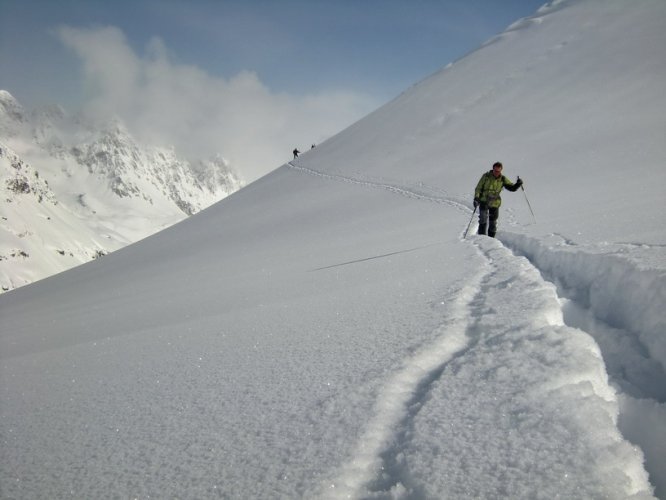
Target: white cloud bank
165 102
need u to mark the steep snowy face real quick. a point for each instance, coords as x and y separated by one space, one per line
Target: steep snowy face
566 98
73 191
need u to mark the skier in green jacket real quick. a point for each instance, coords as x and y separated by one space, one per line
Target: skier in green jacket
487 197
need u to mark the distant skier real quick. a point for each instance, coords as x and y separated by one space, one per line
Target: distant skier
487 197
296 153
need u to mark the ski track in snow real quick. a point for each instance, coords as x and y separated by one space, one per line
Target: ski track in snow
627 327
372 466
421 192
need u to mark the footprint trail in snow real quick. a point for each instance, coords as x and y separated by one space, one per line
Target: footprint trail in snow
504 361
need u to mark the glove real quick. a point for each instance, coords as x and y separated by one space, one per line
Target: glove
476 202
519 182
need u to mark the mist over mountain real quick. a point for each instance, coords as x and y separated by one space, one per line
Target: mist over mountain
74 189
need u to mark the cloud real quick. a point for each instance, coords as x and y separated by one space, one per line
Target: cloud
167 103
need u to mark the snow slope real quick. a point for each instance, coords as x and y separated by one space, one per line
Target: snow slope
327 332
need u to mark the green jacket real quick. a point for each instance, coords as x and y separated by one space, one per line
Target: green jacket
488 189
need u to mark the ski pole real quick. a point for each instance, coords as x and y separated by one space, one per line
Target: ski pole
470 223
528 203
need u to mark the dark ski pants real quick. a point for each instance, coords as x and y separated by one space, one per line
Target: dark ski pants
488 214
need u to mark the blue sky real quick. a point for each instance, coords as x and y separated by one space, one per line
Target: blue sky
307 50
296 46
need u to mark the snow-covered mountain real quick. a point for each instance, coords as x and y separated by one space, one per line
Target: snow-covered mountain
329 332
73 190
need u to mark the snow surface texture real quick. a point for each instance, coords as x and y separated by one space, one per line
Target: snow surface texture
327 332
73 191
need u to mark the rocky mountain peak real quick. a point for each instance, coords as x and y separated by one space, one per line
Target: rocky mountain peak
82 190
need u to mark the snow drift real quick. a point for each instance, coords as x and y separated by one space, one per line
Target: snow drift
326 332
